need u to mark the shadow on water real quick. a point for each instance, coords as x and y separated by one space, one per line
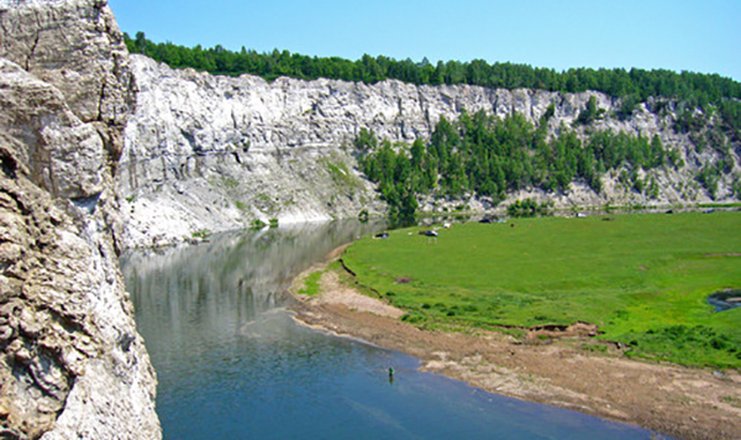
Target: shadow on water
232 364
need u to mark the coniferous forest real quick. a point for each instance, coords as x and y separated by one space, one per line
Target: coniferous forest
489 156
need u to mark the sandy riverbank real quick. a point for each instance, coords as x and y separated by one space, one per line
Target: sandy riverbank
682 402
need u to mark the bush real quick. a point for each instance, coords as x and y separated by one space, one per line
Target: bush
709 176
737 189
695 342
257 224
628 106
529 208
201 234
591 113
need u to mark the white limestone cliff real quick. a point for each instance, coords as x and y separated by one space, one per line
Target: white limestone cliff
206 152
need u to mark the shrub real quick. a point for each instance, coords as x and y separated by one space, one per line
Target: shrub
529 208
257 224
201 234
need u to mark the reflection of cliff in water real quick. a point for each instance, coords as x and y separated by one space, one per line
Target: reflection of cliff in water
222 287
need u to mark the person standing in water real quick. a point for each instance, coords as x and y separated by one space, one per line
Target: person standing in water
391 375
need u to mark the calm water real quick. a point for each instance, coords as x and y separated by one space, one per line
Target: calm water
231 363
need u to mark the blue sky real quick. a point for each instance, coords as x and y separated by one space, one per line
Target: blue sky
701 36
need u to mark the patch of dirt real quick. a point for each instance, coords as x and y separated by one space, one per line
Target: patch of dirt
334 254
578 329
682 402
403 280
334 293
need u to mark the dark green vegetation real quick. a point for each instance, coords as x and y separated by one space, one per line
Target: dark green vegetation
201 234
643 279
488 156
636 85
529 208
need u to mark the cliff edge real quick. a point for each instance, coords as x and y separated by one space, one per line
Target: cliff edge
72 364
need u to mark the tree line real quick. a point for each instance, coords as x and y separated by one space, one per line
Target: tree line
487 156
696 89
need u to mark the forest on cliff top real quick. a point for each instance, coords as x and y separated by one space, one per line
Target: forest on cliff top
706 92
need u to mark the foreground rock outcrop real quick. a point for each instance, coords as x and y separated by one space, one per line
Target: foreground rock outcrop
72 364
206 152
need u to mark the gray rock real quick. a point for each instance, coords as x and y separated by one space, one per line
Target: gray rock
65 155
64 94
76 46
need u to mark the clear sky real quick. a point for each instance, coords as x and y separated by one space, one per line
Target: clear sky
701 36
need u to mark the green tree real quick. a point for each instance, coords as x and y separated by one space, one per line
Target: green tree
590 113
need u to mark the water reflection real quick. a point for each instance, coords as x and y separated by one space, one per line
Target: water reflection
232 364
219 289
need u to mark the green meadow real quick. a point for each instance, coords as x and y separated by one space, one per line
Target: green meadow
642 278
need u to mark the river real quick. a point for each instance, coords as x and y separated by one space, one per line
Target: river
232 364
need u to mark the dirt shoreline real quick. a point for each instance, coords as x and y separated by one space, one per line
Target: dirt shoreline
681 402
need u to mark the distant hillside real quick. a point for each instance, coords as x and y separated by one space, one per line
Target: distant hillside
691 90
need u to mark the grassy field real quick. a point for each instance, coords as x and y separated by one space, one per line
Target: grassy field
642 278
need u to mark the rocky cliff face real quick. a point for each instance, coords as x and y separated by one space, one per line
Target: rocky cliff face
72 364
210 152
